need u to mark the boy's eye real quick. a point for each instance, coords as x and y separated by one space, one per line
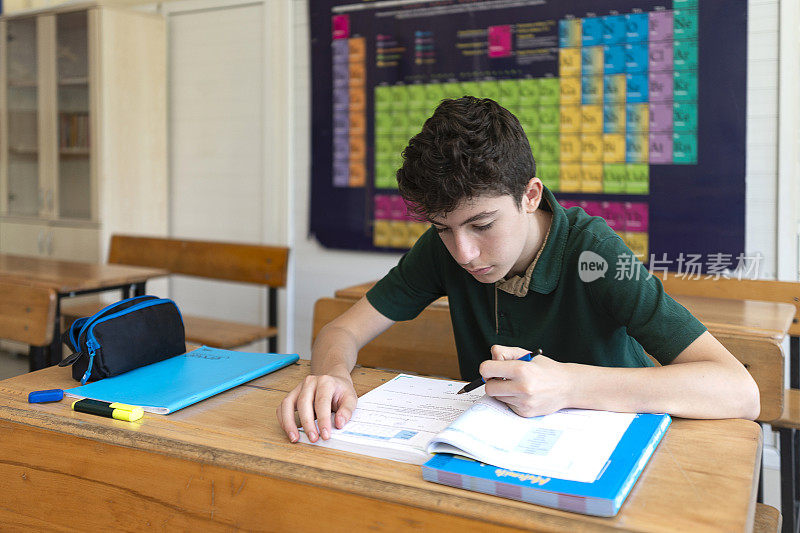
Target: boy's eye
440 230
484 227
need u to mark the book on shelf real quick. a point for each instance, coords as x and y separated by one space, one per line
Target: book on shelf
578 460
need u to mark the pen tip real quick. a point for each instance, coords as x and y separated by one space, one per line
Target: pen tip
462 391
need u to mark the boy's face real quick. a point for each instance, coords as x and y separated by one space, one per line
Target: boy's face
490 236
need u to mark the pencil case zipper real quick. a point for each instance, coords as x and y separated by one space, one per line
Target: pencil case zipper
91 341
83 323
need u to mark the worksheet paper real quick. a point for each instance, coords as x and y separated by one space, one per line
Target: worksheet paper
410 417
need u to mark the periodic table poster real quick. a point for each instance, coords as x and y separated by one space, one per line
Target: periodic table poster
634 109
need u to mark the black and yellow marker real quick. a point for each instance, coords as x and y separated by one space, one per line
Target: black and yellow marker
118 411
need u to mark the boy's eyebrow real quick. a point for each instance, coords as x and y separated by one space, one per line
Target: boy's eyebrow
473 218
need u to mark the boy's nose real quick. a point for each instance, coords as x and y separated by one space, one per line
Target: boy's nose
465 251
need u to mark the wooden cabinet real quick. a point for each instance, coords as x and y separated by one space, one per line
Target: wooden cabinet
82 130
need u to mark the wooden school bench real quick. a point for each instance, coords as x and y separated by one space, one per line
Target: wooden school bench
788 423
260 265
27 315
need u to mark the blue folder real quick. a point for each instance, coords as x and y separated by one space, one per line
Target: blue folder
174 383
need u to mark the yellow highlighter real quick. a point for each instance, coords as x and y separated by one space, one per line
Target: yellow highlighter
118 411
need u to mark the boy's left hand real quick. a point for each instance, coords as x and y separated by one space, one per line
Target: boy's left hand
534 388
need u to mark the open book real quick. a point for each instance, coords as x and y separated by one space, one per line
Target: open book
580 460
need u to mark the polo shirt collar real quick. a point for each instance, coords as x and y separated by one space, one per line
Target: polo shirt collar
544 271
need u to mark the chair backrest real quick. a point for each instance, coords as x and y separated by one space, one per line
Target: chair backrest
248 263
763 358
744 289
27 313
425 345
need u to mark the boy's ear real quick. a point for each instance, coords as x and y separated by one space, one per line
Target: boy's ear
532 196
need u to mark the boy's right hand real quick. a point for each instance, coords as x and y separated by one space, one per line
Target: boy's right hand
315 398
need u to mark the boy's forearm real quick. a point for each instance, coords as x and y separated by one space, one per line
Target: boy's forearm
334 352
701 389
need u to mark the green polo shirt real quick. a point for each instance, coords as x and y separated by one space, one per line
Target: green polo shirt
571 308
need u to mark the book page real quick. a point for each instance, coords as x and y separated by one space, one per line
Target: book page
402 415
571 444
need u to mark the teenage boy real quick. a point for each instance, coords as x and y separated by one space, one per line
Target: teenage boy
522 273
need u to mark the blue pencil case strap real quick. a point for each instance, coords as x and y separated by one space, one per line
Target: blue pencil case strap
124 335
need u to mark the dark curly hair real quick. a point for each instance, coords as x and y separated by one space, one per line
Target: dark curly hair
469 147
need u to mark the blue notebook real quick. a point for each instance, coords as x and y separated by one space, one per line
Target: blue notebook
603 497
174 383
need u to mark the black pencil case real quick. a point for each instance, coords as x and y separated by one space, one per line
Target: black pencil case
123 336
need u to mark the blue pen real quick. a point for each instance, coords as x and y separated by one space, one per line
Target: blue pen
471 386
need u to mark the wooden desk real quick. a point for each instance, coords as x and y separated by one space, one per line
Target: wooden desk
72 278
720 315
224 463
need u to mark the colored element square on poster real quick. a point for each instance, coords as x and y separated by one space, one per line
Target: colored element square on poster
383 98
592 60
614 88
470 88
549 174
661 117
613 29
660 26
528 117
570 179
499 41
637 118
660 148
549 148
684 117
592 31
636 27
685 23
685 85
415 231
685 55
570 148
614 118
592 89
592 119
528 92
569 62
636 146
570 91
638 244
549 91
417 96
570 119
592 148
613 148
341 27
569 33
592 177
660 55
614 176
509 92
398 234
684 148
636 57
381 233
613 59
549 119
488 89
638 179
659 86
636 88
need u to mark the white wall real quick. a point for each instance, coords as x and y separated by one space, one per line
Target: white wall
318 271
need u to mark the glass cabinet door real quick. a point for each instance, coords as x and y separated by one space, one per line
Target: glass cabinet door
74 176
24 192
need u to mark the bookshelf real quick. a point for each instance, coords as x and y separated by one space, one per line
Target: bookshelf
82 129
